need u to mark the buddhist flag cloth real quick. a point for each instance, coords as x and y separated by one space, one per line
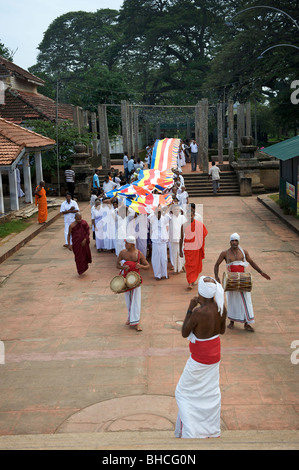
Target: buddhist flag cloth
141 195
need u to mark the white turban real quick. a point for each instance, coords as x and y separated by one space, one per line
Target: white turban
131 239
235 236
210 290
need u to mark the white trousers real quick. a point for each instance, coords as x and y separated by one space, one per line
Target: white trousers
159 259
133 301
176 261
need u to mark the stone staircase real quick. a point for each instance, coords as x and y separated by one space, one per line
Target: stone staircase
199 185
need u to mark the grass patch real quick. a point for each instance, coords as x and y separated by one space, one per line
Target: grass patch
274 197
14 226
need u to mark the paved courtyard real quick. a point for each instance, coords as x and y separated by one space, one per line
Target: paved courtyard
72 365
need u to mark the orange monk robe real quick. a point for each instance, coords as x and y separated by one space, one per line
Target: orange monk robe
42 205
194 249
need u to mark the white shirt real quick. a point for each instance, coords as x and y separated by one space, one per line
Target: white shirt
214 171
159 228
109 186
193 147
175 225
65 206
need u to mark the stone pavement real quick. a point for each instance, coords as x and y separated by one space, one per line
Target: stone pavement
72 367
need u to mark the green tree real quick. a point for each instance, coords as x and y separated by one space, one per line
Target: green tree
68 136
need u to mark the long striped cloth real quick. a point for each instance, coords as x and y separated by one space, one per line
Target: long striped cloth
139 194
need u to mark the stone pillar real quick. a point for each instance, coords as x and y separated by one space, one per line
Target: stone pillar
231 131
13 190
27 179
94 134
104 137
124 123
240 124
38 167
204 135
248 129
245 187
136 133
1 196
220 132
198 134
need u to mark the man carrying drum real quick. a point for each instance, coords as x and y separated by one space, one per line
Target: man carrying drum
239 304
130 259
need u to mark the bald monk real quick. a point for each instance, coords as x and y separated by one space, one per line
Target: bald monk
197 393
193 234
79 232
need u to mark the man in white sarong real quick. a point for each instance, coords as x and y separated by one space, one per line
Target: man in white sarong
159 230
131 259
68 208
175 227
198 393
239 304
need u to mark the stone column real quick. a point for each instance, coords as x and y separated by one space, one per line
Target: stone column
231 132
240 124
27 179
1 196
204 135
198 134
104 137
13 190
38 167
94 134
248 119
136 133
220 132
124 123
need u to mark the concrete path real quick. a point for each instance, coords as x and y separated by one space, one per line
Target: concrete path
72 366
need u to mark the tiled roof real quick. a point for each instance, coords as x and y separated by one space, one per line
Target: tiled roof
8 150
14 138
21 105
8 68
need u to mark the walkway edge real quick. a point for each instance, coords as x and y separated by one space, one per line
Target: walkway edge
17 242
155 440
289 220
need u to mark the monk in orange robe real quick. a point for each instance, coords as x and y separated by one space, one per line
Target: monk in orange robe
41 201
193 234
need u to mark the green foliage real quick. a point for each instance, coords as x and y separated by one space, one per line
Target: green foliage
174 52
68 136
6 52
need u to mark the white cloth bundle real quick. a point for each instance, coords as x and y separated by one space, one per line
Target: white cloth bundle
210 290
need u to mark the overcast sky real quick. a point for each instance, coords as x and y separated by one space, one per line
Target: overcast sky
23 22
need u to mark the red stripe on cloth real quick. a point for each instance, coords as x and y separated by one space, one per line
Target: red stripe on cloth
206 352
236 268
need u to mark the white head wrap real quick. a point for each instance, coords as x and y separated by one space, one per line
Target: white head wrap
235 236
210 290
131 239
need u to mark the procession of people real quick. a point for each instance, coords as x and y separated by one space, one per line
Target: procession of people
169 238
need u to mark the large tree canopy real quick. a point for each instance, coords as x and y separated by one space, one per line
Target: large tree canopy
174 52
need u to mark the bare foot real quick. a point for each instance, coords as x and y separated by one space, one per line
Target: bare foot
247 327
231 325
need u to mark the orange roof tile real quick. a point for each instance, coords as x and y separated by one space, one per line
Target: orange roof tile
14 138
21 105
9 68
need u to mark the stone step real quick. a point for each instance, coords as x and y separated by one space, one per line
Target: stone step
154 440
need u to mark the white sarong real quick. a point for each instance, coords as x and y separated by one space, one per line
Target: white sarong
239 304
198 398
133 302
